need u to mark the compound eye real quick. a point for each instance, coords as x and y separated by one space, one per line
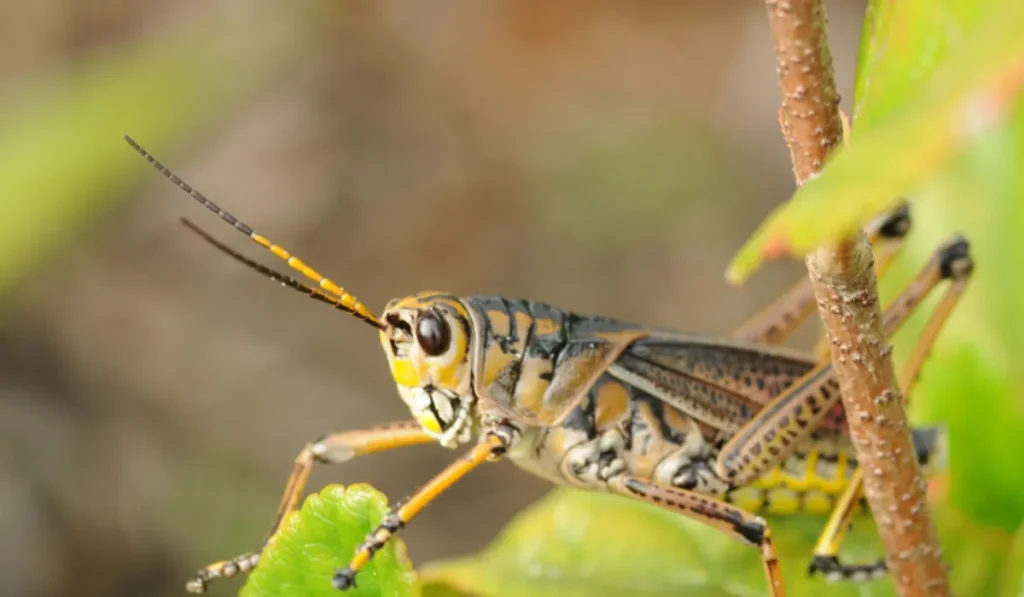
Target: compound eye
433 334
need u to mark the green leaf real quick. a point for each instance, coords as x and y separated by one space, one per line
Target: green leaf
576 543
321 538
984 442
935 79
1013 575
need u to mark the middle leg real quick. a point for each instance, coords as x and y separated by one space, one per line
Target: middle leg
331 449
493 445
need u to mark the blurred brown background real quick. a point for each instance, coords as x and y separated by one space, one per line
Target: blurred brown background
607 157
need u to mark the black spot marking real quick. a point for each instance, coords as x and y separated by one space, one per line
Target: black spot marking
581 418
896 225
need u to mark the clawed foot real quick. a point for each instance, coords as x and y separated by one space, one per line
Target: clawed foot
225 569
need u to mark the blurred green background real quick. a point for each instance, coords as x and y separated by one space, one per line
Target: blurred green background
606 157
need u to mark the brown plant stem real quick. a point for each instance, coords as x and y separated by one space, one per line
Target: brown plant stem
847 295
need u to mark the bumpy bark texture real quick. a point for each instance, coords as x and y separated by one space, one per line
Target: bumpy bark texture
847 296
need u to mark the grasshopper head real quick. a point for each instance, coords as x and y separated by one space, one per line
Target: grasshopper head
427 340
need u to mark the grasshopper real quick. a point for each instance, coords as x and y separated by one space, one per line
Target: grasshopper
716 429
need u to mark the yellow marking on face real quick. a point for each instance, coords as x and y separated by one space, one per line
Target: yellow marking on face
543 327
450 376
423 369
429 422
500 324
611 404
405 373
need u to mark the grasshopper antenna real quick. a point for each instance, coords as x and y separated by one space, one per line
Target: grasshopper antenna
342 299
271 273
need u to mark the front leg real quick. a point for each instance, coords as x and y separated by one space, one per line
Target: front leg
332 449
494 444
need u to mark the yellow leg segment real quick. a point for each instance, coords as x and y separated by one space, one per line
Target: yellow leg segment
332 449
493 446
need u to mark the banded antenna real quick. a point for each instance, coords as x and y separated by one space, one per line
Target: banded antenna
328 292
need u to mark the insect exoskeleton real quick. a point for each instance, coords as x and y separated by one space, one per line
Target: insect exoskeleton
710 428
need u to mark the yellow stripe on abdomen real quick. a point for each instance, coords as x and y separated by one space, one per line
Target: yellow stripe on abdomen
805 483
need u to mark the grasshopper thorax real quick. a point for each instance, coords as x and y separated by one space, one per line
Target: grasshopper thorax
428 342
